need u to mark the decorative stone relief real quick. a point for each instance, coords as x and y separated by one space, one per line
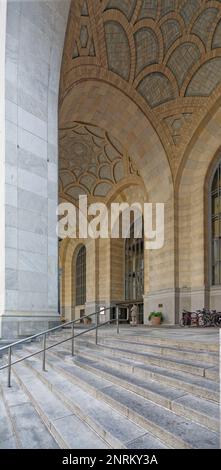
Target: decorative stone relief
166 51
91 162
189 9
84 36
182 60
83 43
171 32
204 24
156 89
148 9
176 125
217 37
118 50
205 79
167 6
126 6
147 48
84 11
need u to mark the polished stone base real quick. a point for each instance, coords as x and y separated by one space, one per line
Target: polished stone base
13 327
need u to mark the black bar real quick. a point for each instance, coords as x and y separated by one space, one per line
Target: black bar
104 458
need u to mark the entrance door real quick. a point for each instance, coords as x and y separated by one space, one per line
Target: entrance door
134 271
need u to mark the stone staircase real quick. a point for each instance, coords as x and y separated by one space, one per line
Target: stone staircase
133 391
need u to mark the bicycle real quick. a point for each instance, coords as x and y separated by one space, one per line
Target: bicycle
217 319
186 319
196 319
209 317
201 318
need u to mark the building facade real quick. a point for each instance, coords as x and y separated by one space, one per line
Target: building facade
118 100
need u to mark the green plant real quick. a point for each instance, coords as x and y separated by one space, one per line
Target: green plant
87 320
156 314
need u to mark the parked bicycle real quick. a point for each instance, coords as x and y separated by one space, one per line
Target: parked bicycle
218 319
186 318
212 318
201 318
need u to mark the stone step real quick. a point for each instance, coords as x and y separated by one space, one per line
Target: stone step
208 357
115 429
192 367
213 374
205 413
198 386
67 429
195 385
178 343
152 337
174 430
210 371
206 370
7 435
4 352
29 432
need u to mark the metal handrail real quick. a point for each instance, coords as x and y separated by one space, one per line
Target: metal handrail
46 332
63 325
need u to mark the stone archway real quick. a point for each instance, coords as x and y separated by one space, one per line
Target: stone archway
112 79
70 250
192 214
100 102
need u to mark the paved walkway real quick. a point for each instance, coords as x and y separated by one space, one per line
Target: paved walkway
202 335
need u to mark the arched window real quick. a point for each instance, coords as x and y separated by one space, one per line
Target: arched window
134 267
80 276
216 226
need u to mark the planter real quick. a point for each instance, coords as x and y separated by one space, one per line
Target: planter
156 318
155 321
87 321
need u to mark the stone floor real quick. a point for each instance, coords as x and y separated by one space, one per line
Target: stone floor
207 335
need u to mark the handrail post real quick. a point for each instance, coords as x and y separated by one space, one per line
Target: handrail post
96 331
44 336
9 365
44 353
72 340
117 315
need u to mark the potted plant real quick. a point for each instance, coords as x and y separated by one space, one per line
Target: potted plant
156 318
87 320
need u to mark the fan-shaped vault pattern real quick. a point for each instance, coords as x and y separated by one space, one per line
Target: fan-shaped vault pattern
91 162
165 54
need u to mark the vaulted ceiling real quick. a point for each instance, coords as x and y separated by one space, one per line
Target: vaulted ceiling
165 54
92 163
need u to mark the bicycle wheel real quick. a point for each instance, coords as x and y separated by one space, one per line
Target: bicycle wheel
207 320
201 321
182 322
217 320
